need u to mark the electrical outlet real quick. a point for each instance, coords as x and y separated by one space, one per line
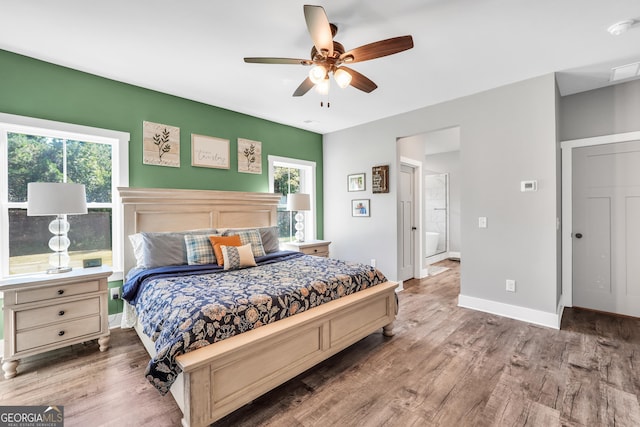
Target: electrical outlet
115 293
373 262
511 285
482 222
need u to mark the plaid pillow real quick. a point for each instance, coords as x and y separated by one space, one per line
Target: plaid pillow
250 236
236 257
199 249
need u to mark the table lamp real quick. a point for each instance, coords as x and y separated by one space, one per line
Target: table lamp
298 202
59 199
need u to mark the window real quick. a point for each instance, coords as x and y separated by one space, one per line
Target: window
33 150
293 176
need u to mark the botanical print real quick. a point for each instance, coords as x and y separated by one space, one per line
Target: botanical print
249 156
160 144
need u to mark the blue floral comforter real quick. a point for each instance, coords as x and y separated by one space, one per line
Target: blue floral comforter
183 308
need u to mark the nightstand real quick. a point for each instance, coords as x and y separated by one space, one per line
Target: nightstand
43 312
309 247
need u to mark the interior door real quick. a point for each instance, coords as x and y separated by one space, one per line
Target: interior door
606 227
407 223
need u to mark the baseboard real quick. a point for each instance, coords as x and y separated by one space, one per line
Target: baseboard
454 255
537 317
114 320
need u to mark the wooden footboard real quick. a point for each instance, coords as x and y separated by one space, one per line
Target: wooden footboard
224 376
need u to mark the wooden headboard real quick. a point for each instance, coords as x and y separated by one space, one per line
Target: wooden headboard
160 209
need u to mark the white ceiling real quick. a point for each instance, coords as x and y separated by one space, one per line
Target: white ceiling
195 49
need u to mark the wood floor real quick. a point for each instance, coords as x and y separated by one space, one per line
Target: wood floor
446 366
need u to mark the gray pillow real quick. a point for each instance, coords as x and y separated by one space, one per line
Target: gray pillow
160 249
270 238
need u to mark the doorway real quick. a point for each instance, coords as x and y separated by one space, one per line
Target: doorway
601 223
435 158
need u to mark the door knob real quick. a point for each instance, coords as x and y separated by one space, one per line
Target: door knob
578 235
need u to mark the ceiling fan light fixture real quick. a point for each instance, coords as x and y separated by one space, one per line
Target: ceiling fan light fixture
317 74
322 87
342 77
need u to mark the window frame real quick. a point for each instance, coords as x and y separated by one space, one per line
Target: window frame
119 142
307 185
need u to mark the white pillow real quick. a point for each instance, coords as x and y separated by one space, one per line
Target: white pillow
236 257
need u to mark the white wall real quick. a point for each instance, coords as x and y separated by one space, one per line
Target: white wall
507 135
605 111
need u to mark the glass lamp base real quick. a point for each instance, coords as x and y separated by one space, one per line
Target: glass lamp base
56 270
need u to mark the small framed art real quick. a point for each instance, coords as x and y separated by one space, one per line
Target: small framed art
380 179
209 152
355 182
360 207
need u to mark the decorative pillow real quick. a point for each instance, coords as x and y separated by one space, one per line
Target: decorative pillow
199 249
270 238
236 257
249 236
217 241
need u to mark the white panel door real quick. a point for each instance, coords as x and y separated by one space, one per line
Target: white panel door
606 228
406 222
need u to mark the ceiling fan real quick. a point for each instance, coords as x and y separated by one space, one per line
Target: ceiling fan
328 56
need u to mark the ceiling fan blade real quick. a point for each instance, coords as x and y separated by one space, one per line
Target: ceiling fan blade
378 49
319 28
360 81
293 61
304 87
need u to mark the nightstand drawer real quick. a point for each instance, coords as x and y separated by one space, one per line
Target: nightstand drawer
28 340
56 313
53 292
316 250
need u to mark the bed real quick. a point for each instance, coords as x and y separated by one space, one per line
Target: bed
219 378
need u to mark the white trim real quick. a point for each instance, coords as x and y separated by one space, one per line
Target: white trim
310 187
119 142
537 317
567 197
453 254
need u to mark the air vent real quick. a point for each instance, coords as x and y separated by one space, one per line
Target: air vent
625 72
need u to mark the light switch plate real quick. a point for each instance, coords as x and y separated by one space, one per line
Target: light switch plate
482 222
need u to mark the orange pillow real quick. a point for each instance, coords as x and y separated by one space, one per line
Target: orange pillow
217 241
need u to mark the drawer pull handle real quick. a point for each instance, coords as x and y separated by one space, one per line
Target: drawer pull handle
315 250
60 291
61 333
61 313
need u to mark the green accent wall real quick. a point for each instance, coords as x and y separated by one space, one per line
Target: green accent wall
34 88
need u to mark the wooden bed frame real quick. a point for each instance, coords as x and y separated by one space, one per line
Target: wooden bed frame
222 377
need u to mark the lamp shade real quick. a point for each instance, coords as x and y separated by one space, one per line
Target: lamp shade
298 202
55 198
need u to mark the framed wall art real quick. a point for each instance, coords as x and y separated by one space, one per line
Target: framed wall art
209 152
360 207
160 145
249 156
356 182
380 179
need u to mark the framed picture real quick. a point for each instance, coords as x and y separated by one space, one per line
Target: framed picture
160 145
355 182
380 179
249 156
209 152
360 207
